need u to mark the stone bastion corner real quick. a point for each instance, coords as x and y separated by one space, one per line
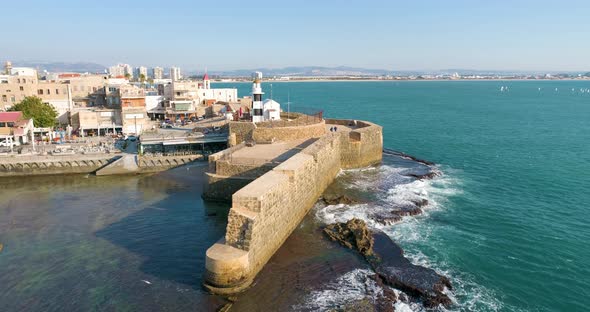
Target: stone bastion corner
266 209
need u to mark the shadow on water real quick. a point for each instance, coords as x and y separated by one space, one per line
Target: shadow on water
172 235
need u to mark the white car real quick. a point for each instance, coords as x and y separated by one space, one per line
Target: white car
6 144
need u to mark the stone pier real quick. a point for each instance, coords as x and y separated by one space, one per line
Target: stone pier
271 199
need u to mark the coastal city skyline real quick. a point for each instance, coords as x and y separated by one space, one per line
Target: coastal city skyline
515 36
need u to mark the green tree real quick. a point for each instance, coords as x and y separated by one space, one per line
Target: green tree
142 78
43 114
127 76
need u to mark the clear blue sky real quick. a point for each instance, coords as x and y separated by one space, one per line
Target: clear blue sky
222 35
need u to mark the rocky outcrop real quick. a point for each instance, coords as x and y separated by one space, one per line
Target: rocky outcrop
406 156
426 176
395 215
353 234
339 200
387 260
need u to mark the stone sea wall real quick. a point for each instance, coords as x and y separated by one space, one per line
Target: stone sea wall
247 131
160 163
52 165
267 210
84 164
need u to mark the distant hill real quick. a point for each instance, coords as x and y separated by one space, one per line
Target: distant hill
307 71
80 67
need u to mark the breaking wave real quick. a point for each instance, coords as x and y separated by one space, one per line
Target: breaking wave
391 186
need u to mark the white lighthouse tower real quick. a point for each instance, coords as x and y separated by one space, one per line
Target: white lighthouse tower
257 106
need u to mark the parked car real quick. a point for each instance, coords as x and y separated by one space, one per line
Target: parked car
168 126
216 128
132 138
201 118
6 144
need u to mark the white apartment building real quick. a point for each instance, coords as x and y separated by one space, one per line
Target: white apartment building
157 73
175 73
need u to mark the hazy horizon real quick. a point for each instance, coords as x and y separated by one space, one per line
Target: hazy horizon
524 36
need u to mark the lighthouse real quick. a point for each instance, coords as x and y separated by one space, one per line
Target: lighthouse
257 106
206 82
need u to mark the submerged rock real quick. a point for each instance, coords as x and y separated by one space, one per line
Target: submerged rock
1 247
425 176
398 272
406 156
338 200
387 260
386 218
394 216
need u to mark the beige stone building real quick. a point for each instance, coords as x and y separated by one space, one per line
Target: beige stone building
93 121
65 93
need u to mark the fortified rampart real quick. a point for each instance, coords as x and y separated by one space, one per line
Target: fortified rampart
247 131
266 211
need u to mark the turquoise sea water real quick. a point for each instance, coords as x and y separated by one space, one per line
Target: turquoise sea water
512 224
507 222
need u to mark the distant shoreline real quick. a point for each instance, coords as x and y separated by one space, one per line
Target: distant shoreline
400 80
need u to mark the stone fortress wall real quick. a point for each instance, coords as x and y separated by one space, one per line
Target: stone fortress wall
266 211
247 131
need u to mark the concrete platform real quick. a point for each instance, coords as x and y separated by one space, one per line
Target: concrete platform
264 153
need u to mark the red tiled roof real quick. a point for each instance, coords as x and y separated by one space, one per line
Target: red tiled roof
11 116
206 77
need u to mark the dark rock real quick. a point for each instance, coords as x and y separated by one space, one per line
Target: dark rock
425 176
385 300
386 218
337 200
398 272
387 260
420 202
406 156
407 211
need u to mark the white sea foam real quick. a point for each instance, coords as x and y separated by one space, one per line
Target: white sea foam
395 189
347 288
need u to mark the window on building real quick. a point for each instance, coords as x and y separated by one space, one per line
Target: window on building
56 91
93 89
13 99
10 124
8 91
18 80
2 124
22 88
40 91
4 99
48 92
24 80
